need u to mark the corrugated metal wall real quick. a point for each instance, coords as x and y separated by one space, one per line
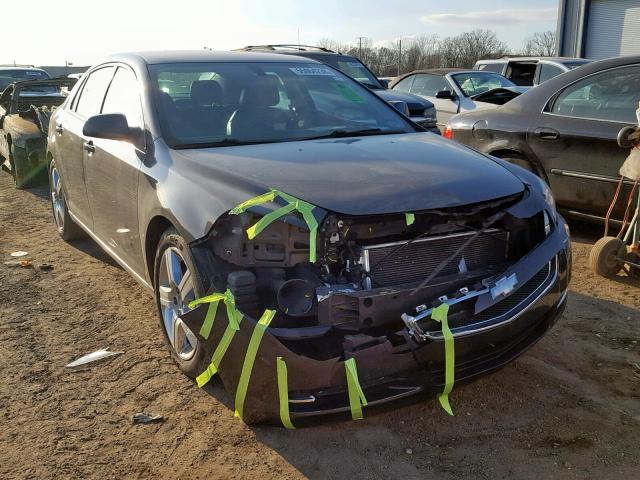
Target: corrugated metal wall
613 28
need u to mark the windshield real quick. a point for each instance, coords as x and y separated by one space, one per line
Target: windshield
213 104
475 83
7 77
354 68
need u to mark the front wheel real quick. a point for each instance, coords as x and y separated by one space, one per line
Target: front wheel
176 284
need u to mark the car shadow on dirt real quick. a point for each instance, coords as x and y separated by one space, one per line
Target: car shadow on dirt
564 402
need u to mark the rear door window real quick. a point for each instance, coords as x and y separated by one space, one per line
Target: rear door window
548 71
612 95
90 101
429 85
404 85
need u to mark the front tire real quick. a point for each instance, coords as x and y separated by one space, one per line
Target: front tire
176 284
65 225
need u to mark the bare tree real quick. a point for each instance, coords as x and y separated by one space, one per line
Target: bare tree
424 52
540 44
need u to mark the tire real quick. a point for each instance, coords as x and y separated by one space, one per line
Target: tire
623 137
20 174
605 256
173 291
65 225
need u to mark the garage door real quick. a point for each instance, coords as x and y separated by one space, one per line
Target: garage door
613 28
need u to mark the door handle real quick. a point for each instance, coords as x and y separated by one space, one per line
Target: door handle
547 133
59 129
89 147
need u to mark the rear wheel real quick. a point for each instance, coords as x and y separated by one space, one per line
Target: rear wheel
606 256
65 225
176 284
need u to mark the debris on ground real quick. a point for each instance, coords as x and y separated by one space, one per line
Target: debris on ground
18 263
45 267
143 417
19 253
92 357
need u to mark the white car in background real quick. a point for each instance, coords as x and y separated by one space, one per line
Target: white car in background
454 90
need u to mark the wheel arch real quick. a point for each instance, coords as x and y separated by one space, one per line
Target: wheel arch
156 227
512 152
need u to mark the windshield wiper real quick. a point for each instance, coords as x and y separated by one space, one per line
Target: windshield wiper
340 133
225 142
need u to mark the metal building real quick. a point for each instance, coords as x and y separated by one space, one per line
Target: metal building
598 28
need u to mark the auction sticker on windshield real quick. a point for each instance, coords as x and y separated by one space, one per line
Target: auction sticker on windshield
312 71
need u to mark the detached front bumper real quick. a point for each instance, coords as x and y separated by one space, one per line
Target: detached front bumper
392 370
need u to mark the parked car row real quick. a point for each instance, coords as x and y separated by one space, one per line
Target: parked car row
565 130
353 245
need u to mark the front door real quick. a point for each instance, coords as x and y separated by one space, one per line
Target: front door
576 139
112 168
73 145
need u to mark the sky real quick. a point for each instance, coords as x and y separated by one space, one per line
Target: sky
84 32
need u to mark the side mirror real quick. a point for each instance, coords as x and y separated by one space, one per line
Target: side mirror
112 126
401 106
445 95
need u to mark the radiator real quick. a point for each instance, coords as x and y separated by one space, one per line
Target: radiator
391 264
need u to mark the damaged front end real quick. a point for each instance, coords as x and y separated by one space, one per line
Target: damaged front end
366 292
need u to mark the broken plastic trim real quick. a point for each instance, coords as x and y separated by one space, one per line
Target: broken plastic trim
293 204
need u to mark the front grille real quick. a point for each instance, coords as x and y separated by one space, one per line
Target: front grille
461 315
392 265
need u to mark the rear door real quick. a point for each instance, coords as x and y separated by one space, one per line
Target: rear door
427 85
575 136
71 144
112 168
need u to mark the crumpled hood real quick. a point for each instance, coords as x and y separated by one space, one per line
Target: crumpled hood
358 176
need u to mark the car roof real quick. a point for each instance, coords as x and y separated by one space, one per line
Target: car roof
200 56
528 59
20 67
440 71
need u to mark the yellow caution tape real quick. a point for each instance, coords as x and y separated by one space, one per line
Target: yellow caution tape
217 356
233 314
293 203
283 393
410 218
249 359
356 395
439 314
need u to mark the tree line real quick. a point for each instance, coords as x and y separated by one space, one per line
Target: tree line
431 51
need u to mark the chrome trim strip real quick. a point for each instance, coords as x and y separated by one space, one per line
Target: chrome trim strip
429 239
110 252
473 331
589 176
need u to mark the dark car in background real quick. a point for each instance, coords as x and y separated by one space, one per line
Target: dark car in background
456 90
25 110
329 224
530 71
565 131
12 74
420 110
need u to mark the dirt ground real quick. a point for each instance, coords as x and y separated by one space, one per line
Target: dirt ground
567 409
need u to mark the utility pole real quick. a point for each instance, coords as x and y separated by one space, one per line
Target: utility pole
399 56
360 47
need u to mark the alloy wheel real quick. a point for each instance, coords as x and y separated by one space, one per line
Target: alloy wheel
176 289
57 198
